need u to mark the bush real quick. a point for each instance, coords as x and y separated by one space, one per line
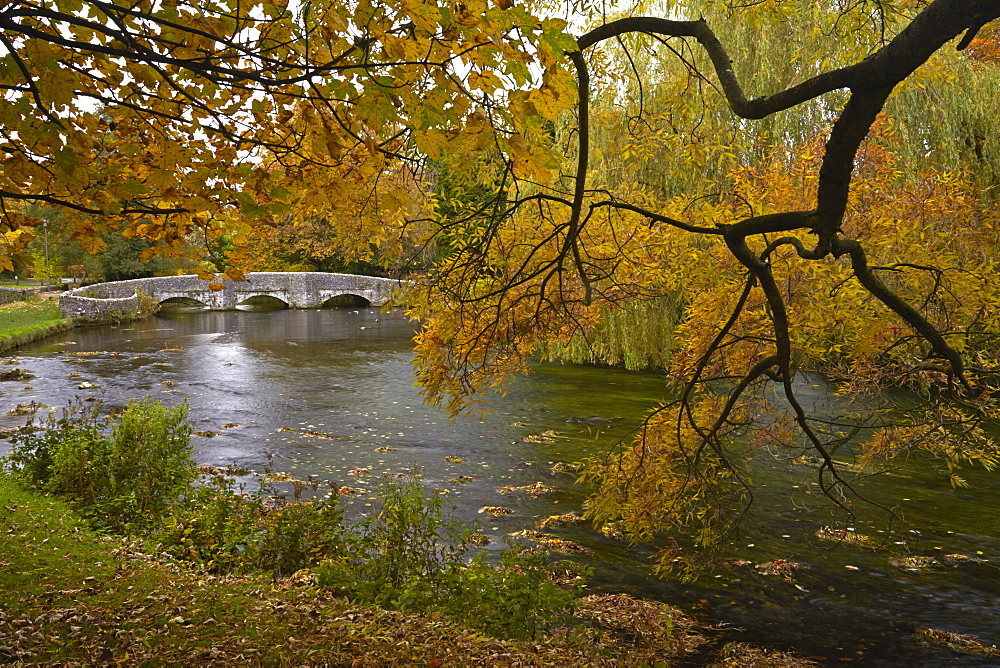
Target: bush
122 474
229 531
512 597
411 537
410 556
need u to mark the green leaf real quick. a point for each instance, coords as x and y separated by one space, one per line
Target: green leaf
66 160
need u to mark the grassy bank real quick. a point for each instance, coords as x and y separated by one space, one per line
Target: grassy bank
71 595
24 322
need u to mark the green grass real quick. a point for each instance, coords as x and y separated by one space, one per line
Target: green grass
23 322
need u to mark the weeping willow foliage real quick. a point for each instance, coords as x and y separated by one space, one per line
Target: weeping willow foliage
943 125
637 336
662 131
663 125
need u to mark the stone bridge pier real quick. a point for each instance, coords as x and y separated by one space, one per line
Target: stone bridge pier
298 289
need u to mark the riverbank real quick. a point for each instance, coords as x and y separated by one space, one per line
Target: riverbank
27 321
71 595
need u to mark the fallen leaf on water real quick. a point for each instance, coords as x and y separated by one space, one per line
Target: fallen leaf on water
914 562
314 434
783 568
958 642
565 520
534 490
343 490
612 530
550 542
845 536
24 409
495 511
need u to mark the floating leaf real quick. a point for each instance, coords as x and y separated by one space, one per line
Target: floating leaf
564 520
495 511
534 490
959 642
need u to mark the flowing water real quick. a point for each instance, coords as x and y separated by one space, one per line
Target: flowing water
330 393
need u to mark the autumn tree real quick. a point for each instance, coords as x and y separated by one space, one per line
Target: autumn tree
844 252
164 119
298 243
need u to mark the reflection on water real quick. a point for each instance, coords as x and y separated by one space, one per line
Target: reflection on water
330 393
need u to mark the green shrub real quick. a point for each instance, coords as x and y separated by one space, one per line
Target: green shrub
226 530
211 525
299 535
411 556
511 597
411 537
122 474
41 454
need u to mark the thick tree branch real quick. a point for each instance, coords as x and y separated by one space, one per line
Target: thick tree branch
583 160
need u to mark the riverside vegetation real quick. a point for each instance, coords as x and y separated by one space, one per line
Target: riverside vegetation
115 547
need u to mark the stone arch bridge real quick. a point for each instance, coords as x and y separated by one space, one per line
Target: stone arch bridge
298 289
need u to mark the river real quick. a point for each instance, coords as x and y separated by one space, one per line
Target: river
330 393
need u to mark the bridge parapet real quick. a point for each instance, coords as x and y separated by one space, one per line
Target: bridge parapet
298 289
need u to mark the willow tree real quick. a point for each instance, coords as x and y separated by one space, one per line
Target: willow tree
173 120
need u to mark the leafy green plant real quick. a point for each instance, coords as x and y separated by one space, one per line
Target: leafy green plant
510 597
211 525
410 556
121 473
36 447
411 537
228 530
133 474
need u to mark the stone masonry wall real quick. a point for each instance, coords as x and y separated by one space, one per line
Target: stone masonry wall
8 295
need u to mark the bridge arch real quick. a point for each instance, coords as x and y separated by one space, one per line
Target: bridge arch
182 301
268 302
346 299
298 289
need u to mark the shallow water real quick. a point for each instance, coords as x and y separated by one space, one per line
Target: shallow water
346 374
